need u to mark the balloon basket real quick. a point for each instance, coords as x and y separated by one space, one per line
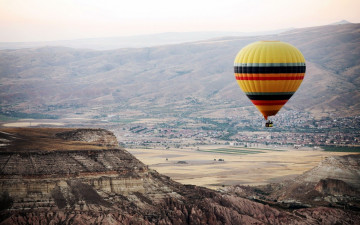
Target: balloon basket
269 124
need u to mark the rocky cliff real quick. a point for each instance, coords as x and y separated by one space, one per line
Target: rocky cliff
333 183
81 176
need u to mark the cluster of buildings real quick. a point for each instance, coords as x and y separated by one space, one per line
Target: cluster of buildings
300 139
293 129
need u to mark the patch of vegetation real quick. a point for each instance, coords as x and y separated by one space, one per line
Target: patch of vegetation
21 115
7 118
231 151
227 126
133 128
140 130
100 116
123 120
266 149
341 149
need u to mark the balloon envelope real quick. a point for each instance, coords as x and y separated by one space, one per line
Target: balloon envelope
269 72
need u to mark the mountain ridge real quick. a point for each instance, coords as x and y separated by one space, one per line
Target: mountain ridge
165 76
135 41
145 40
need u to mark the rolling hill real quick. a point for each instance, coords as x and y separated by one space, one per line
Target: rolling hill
165 78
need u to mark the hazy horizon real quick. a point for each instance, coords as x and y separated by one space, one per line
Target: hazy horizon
130 112
40 20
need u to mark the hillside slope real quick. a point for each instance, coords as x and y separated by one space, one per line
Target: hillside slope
50 79
334 182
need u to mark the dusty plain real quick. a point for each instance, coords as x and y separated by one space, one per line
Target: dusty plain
202 167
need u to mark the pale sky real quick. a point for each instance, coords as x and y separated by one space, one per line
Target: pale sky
49 20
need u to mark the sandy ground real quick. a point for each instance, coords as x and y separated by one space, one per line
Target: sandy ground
248 169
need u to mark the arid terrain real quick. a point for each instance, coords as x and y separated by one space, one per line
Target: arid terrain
82 176
185 94
182 80
203 168
163 135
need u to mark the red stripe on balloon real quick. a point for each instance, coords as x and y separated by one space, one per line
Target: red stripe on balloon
269 102
270 78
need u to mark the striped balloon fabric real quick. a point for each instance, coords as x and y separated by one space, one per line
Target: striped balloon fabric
269 72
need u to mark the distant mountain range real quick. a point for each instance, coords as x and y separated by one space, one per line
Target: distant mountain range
137 41
340 22
141 41
176 76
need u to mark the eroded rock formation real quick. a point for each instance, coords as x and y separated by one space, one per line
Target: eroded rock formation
96 136
333 183
69 176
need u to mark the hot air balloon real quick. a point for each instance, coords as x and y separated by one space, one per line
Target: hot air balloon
269 72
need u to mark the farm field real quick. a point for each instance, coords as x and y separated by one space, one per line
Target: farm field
214 166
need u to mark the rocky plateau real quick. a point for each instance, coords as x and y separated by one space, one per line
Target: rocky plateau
82 176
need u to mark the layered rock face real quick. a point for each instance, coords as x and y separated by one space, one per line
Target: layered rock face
345 168
81 176
40 173
333 183
335 180
336 187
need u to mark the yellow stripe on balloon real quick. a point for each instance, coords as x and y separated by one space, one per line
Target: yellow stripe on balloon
269 52
269 85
